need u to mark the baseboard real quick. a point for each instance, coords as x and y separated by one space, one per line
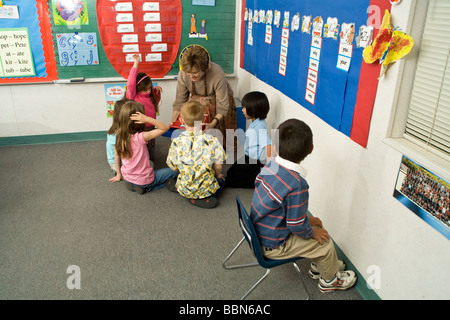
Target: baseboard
361 285
52 138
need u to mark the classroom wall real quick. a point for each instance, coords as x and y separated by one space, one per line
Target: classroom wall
350 187
37 109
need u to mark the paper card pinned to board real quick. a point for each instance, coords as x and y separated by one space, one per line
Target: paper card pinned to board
77 49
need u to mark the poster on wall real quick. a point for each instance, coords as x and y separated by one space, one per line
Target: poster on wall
16 58
70 12
113 93
425 194
26 48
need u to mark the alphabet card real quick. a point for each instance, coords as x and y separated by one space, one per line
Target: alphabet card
16 59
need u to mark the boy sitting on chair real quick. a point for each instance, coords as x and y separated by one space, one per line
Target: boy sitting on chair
280 211
198 157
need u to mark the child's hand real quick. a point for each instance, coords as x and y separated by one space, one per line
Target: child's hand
158 89
315 222
136 57
138 118
117 178
321 235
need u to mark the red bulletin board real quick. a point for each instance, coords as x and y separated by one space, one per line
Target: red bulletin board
152 29
38 30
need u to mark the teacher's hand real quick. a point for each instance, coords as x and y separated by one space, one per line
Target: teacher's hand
175 116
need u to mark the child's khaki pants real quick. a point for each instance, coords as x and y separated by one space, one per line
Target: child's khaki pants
324 255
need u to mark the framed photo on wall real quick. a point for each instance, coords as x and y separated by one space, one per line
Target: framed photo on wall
425 194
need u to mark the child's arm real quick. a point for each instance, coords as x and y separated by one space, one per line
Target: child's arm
137 59
157 91
160 129
131 81
268 152
218 169
118 176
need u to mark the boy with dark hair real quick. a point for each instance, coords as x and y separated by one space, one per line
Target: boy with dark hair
280 211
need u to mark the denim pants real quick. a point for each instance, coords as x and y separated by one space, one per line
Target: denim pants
161 176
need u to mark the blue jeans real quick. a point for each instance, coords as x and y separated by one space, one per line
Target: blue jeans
161 176
222 185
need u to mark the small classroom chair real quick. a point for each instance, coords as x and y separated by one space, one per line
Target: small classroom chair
250 236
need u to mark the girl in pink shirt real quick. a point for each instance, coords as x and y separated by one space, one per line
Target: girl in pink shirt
131 149
140 89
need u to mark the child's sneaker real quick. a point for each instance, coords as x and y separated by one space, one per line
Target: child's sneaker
314 273
170 184
207 203
136 189
342 281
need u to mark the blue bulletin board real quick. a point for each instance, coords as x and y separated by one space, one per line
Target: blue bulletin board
314 68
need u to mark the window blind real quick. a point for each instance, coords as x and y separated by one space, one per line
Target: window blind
428 121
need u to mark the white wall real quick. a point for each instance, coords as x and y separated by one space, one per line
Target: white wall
351 187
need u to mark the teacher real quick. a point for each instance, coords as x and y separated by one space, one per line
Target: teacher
204 81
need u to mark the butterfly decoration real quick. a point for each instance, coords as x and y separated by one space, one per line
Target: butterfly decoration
389 45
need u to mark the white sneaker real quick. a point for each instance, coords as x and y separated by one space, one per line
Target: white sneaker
342 281
314 273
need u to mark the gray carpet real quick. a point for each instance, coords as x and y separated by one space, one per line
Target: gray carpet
58 209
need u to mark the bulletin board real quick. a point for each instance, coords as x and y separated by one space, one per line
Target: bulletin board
26 49
313 66
85 42
158 30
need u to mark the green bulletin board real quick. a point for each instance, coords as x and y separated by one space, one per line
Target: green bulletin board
219 26
103 69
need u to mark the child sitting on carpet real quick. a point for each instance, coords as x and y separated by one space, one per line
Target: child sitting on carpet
198 158
257 147
131 148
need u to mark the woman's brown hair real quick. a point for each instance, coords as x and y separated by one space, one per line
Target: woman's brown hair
195 58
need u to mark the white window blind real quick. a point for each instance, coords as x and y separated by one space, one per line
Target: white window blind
428 121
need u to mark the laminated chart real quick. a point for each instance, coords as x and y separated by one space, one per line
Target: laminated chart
16 59
149 28
76 49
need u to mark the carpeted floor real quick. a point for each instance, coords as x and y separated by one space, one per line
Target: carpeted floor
57 209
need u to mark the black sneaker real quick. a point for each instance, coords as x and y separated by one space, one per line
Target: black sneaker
134 188
170 184
207 203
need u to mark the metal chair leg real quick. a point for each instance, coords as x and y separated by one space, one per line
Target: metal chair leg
237 266
303 280
256 284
